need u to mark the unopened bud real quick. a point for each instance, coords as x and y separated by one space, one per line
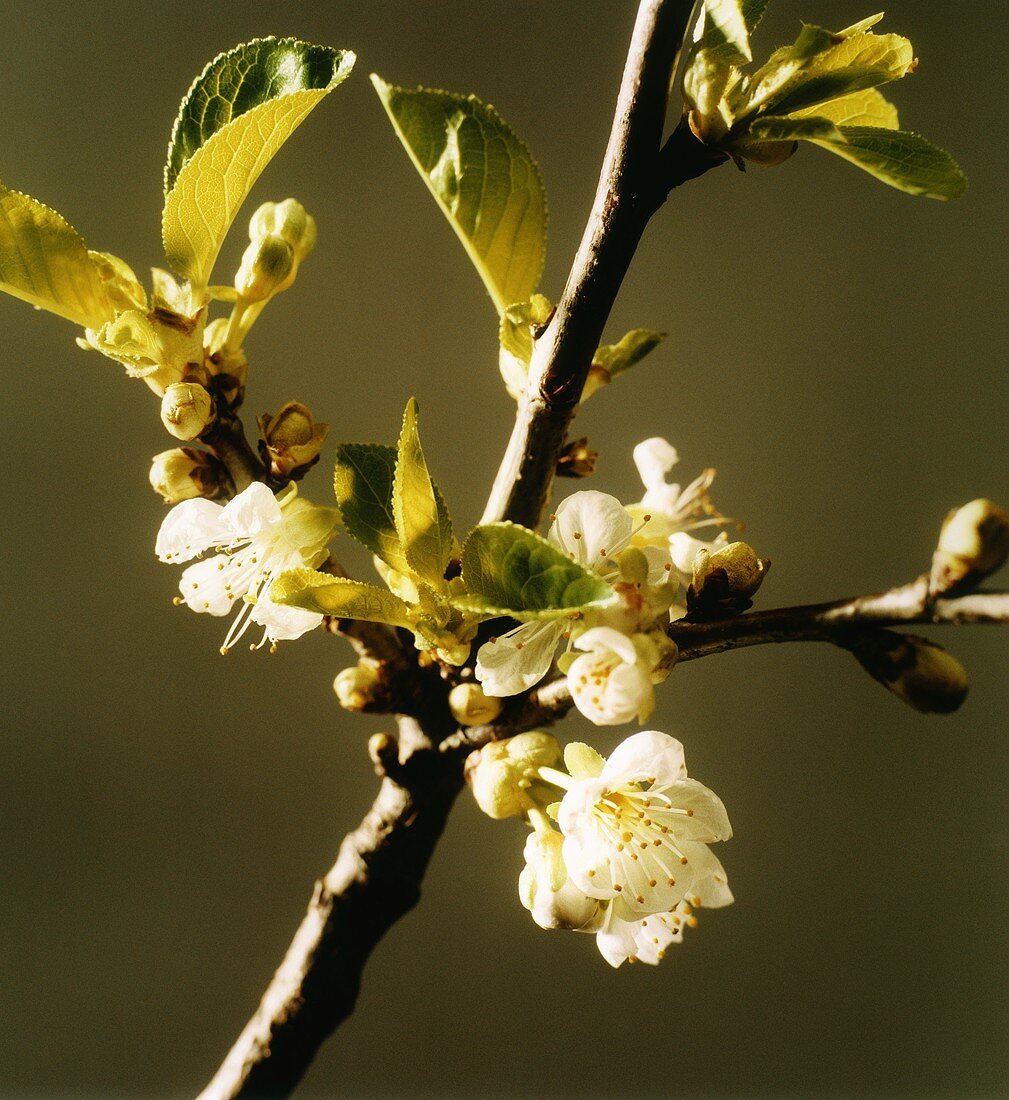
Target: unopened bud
291 439
470 707
355 687
186 410
915 669
766 154
504 775
287 219
725 580
267 268
183 473
973 543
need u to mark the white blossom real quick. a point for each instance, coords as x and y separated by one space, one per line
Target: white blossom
256 536
613 679
635 827
667 508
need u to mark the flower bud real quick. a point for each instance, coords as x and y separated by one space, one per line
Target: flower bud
916 670
355 687
287 219
725 580
183 473
546 889
186 410
504 774
291 439
973 543
267 268
470 707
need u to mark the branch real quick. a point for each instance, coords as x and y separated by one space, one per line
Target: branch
835 622
637 175
841 622
375 880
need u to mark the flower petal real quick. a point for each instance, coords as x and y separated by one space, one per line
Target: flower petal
707 820
516 661
654 459
602 638
643 756
189 529
250 512
283 624
204 587
710 886
600 522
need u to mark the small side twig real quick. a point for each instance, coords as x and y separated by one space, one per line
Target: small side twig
637 175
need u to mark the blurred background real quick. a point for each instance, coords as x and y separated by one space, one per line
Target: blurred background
836 349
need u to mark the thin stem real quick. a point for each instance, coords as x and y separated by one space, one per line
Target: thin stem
637 175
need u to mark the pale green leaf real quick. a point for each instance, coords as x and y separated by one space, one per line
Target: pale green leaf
901 159
509 570
725 30
628 352
865 108
515 334
422 522
235 118
44 262
772 128
613 359
483 178
823 66
753 12
340 597
363 481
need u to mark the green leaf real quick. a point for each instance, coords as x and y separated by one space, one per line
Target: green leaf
772 128
363 481
234 119
865 108
822 66
483 178
44 262
613 359
515 334
725 30
631 349
422 522
901 159
509 570
753 12
338 596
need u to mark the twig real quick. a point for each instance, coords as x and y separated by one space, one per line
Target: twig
833 622
840 622
637 175
375 880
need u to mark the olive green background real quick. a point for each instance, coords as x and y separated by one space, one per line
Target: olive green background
836 349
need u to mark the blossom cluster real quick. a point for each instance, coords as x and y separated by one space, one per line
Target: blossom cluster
624 854
615 655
